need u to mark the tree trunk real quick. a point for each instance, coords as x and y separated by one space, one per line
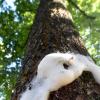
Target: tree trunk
53 31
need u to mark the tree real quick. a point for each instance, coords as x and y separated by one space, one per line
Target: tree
16 18
53 30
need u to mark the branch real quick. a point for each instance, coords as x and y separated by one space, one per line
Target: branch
83 12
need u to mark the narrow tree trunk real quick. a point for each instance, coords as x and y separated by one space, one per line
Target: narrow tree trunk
53 31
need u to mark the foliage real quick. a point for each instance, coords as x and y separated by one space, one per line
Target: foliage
16 18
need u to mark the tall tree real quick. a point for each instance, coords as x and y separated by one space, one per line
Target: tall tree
52 31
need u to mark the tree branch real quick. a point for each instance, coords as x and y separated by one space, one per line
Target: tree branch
83 12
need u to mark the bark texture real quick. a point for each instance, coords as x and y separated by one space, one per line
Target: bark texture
53 31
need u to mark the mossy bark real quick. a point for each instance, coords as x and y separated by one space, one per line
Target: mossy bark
53 31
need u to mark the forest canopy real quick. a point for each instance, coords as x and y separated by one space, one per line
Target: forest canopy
16 18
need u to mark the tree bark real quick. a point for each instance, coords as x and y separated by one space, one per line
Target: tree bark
52 31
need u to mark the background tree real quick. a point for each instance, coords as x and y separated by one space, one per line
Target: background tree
15 26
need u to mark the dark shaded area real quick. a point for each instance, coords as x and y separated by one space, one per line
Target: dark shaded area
54 31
